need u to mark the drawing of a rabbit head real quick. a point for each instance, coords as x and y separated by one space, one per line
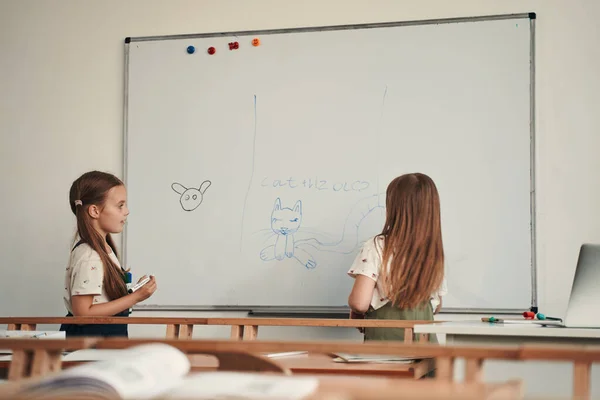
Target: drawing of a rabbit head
286 221
190 198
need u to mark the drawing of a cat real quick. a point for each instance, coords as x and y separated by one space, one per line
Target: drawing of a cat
285 222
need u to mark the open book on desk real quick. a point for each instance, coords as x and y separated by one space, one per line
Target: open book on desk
159 371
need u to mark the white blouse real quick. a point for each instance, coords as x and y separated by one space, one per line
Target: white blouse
85 275
368 263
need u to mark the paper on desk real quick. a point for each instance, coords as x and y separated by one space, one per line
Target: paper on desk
285 354
238 385
12 334
32 334
360 358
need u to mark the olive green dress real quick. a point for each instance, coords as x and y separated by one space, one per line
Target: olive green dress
419 313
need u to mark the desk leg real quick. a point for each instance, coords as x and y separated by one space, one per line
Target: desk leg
237 332
185 331
581 380
474 370
408 335
250 332
444 369
19 365
55 361
41 363
172 331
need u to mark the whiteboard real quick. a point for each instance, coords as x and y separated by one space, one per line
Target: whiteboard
255 174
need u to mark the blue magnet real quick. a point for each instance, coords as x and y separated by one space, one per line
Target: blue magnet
191 49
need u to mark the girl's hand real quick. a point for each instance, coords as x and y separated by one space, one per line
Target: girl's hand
147 290
439 307
355 315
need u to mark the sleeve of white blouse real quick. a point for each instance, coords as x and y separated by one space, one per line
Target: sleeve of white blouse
366 262
87 277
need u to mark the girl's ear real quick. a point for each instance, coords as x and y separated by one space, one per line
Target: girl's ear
94 211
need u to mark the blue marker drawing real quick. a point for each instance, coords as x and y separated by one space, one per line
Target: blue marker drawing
190 198
285 222
378 141
251 176
348 242
286 226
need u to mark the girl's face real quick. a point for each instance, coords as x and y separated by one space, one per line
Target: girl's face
114 213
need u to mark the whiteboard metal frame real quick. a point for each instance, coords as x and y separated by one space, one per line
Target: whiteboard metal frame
307 311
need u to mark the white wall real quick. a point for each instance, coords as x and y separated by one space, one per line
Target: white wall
61 113
61 76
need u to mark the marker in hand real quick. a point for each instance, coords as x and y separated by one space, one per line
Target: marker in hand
139 284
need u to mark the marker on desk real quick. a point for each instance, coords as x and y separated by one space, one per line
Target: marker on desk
491 319
139 284
542 317
503 321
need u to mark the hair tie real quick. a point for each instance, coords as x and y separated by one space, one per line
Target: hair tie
78 203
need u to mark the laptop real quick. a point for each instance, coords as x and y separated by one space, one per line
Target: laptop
583 310
584 304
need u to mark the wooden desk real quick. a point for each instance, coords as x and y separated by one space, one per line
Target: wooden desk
371 388
322 364
311 363
484 333
539 378
241 328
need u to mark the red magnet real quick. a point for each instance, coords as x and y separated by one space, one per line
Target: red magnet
234 45
255 42
211 50
529 315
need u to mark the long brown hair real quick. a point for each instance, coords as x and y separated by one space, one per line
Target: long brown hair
92 188
412 241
